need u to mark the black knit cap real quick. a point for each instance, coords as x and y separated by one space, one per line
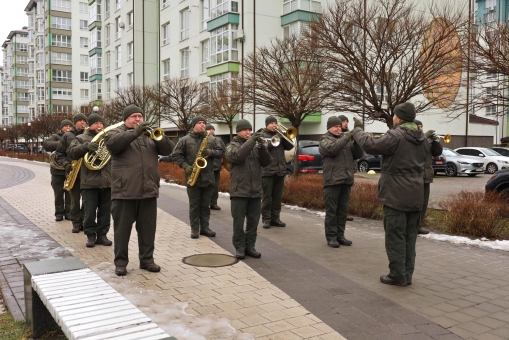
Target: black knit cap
405 111
343 118
270 119
210 127
65 122
94 118
129 110
243 124
417 122
332 121
197 119
79 116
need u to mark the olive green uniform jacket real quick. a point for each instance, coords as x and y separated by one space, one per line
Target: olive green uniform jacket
185 153
51 145
404 155
216 143
90 179
278 165
246 162
134 166
433 148
339 154
62 158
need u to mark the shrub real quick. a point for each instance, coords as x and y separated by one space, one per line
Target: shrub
364 200
32 157
304 191
172 173
476 214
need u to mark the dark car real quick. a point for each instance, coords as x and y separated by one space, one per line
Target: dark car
165 159
499 181
20 148
439 163
501 150
309 158
372 162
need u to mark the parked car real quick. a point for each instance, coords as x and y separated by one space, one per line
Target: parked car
501 150
309 158
373 162
20 148
166 159
457 164
499 182
439 163
493 161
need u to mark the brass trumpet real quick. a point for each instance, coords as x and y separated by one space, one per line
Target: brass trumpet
274 141
155 133
447 138
288 134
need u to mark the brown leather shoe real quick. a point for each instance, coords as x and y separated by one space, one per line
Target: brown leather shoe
195 233
207 232
388 281
103 240
151 267
121 271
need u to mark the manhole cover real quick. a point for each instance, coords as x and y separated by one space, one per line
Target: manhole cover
210 260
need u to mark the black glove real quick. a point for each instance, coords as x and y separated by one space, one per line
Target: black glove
206 153
357 123
92 146
68 168
348 134
189 171
142 127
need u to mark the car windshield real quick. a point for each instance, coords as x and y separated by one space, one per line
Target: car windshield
450 153
490 152
310 150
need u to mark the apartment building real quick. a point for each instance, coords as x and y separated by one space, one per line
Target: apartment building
15 80
3 102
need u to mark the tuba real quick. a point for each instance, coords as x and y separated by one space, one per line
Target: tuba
96 160
199 162
53 161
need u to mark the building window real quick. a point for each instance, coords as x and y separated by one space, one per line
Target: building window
22 108
118 29
130 20
107 8
83 7
220 7
108 59
22 47
184 24
63 94
130 79
305 5
21 59
83 42
95 38
61 58
166 3
205 55
184 63
130 51
83 59
60 23
166 33
118 80
61 40
117 4
490 3
62 76
108 32
40 77
490 17
205 13
222 47
108 88
61 5
491 110
84 77
95 64
166 69
84 94
118 53
218 80
83 25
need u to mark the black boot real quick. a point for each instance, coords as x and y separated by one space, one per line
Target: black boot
240 254
266 224
253 253
103 240
195 233
59 218
215 207
278 223
90 241
75 228
207 232
345 242
422 231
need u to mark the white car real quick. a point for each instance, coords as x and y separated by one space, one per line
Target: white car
493 161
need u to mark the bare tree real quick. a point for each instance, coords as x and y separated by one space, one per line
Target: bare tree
145 97
46 124
489 68
225 103
390 52
180 100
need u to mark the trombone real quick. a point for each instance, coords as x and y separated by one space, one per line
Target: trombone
288 134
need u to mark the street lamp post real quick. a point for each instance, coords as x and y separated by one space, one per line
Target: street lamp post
30 148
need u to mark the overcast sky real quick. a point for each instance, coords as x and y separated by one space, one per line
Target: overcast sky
12 17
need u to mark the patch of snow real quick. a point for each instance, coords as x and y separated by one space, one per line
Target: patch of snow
309 211
482 243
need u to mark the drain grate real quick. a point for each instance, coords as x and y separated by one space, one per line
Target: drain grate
210 260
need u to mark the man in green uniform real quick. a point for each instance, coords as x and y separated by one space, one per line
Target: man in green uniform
199 195
95 186
217 143
338 153
400 189
134 187
246 157
273 176
344 128
434 149
80 122
62 197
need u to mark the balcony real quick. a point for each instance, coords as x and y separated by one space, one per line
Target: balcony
225 7
302 5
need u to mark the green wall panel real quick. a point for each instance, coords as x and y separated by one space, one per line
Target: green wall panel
228 18
298 16
223 68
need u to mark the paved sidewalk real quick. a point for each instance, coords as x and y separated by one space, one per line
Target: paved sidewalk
188 302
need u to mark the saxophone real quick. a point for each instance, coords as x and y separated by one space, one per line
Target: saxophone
71 177
96 160
199 162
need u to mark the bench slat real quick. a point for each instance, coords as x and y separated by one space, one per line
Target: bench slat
146 335
120 332
105 326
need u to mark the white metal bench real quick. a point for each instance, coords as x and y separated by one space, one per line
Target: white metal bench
82 304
